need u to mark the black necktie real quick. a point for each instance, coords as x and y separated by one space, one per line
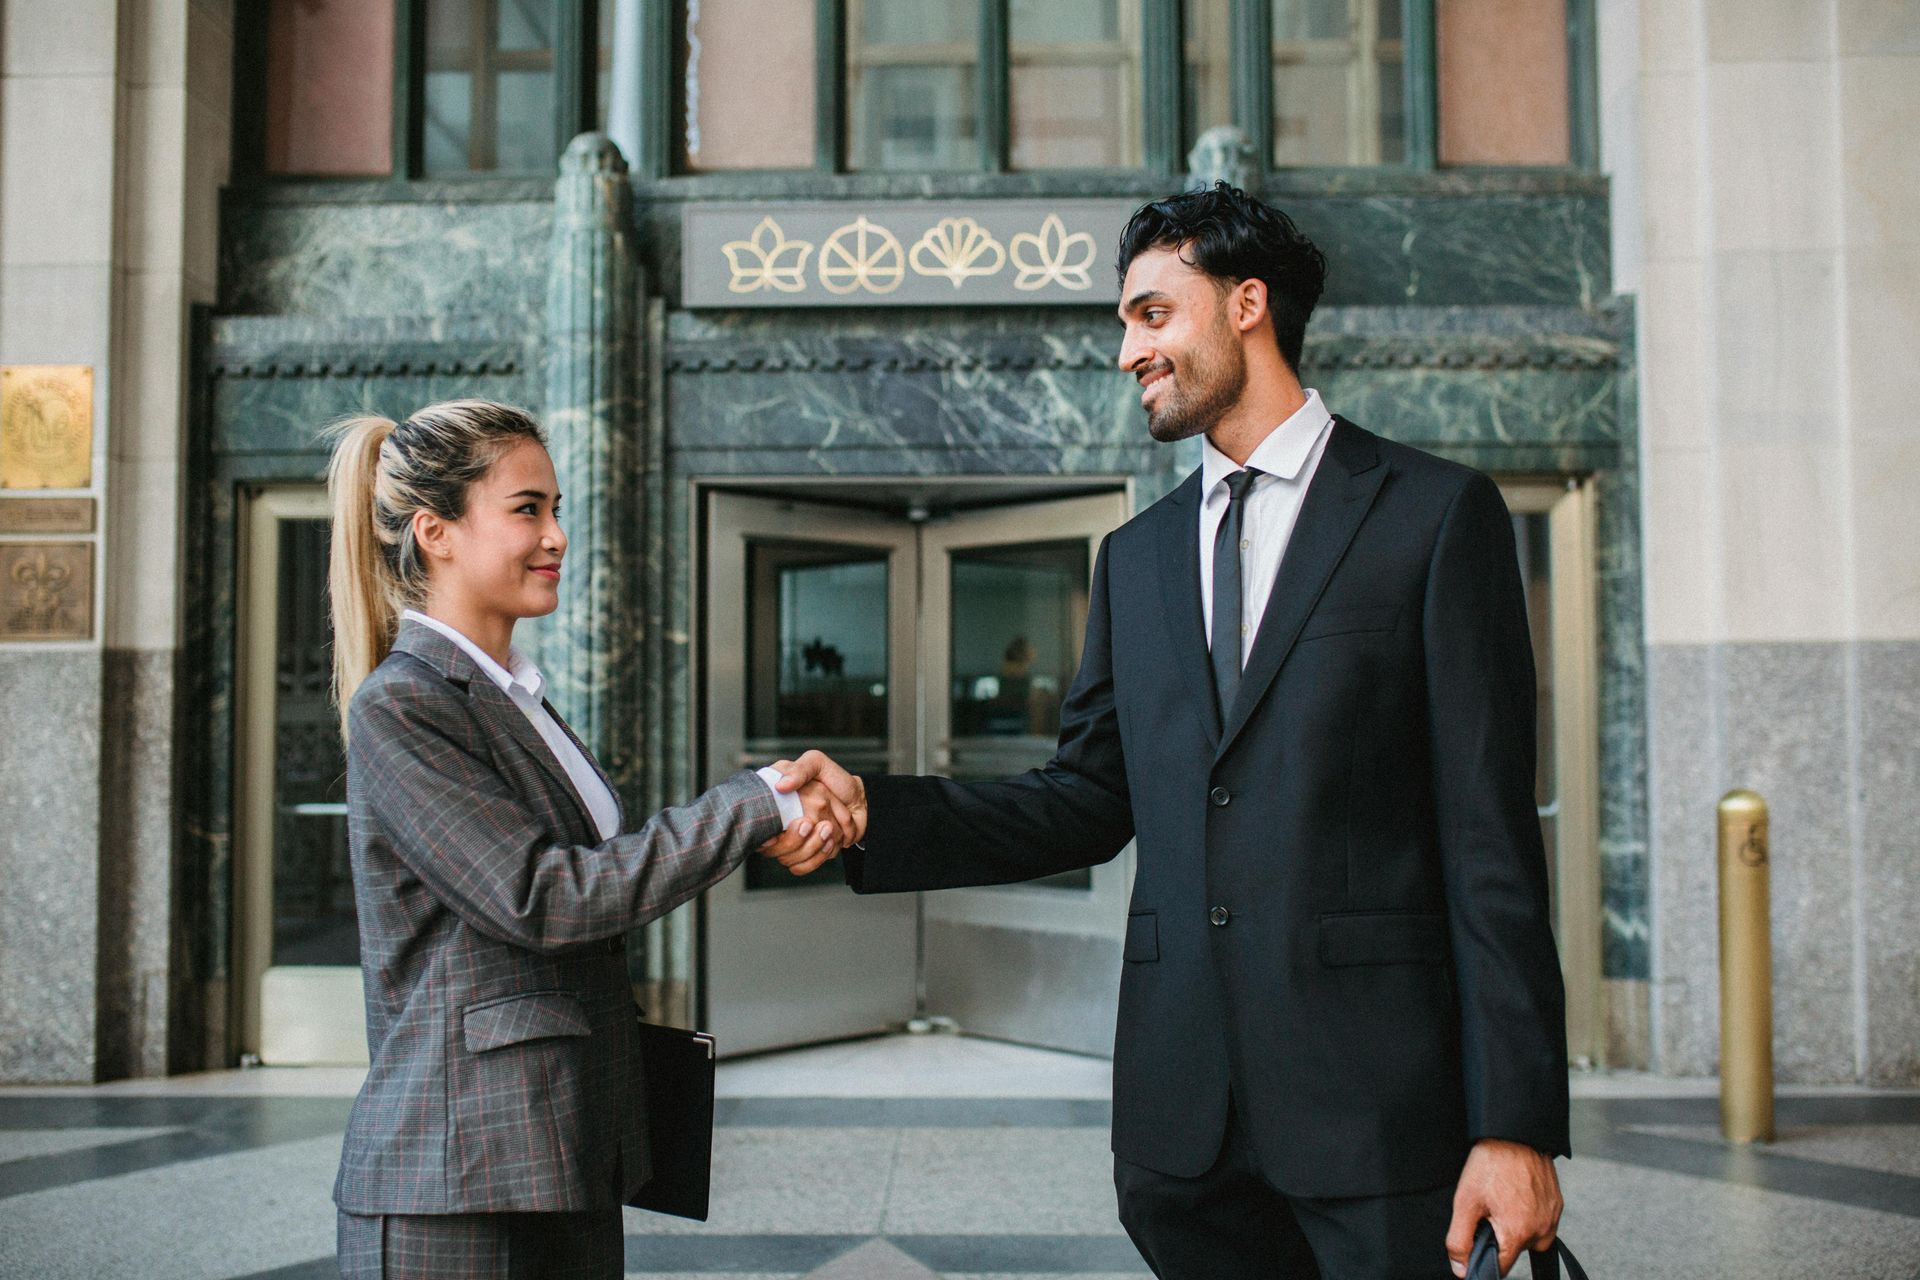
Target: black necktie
1229 613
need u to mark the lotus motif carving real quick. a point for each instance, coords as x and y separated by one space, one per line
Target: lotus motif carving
957 249
768 260
1053 257
862 255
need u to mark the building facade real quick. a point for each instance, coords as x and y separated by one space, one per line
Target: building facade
816 299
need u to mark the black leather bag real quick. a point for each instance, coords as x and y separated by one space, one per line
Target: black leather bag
1483 1263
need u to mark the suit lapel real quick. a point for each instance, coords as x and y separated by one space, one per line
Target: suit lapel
1180 598
1342 492
499 714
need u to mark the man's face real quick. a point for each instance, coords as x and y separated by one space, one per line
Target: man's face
1180 344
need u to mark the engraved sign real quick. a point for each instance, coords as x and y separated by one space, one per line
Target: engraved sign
46 515
46 590
46 426
905 253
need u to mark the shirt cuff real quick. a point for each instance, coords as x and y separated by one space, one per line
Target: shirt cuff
789 801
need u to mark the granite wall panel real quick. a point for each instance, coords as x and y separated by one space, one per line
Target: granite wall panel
1827 734
50 863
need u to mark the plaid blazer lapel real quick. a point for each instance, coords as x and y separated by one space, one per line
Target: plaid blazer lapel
498 714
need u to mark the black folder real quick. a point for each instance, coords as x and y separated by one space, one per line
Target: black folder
676 1068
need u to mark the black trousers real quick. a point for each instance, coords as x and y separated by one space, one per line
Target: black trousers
1231 1224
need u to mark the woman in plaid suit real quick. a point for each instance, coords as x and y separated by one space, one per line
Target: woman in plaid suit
496 1133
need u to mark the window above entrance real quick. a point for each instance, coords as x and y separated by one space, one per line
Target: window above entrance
439 88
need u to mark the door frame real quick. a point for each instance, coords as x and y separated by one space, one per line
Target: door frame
335 1033
1572 542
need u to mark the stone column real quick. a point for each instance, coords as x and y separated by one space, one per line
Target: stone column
590 647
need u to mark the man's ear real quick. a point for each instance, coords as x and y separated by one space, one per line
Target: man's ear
1249 306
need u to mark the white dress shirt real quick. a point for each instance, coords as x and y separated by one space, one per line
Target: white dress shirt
522 682
1288 457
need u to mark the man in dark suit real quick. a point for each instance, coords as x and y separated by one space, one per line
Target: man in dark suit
1307 692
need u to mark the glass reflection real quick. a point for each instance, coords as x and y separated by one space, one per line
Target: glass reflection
313 917
1075 83
1018 616
817 653
912 85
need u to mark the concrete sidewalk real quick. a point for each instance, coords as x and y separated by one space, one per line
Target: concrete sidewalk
910 1157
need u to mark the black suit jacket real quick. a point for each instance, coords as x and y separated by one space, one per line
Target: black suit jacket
1384 988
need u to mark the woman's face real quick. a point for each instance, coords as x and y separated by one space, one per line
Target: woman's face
503 556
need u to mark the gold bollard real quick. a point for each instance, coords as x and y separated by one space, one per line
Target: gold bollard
1746 972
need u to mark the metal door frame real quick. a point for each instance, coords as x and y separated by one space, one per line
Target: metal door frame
326 994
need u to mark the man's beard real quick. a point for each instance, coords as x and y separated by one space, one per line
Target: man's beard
1201 394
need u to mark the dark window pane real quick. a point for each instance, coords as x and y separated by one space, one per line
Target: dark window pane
489 86
749 84
1209 89
330 87
913 85
1075 89
313 917
1338 93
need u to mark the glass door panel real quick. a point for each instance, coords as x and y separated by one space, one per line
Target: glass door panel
1004 605
810 631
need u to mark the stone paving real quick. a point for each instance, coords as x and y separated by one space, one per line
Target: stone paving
913 1157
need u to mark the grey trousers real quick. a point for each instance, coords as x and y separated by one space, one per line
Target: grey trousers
483 1246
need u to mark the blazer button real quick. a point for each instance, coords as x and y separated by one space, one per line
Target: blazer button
1221 797
1219 916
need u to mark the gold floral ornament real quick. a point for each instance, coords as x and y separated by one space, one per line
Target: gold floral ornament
862 255
1053 257
960 249
767 261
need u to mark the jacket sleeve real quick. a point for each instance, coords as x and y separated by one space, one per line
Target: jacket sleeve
1481 709
455 823
934 833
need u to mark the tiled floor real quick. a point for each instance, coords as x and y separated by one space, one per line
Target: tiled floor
913 1157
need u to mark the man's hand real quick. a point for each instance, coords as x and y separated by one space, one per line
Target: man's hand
816 769
1516 1188
811 841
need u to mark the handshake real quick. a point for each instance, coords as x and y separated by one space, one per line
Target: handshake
835 813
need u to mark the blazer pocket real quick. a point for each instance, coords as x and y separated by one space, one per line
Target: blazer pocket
534 1015
1143 937
1341 622
1382 937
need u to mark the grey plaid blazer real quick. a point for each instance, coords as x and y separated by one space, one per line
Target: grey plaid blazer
492 930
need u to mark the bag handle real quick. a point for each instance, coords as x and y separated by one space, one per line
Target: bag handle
1484 1262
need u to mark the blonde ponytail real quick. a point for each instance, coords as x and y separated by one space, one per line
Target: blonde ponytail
382 472
363 592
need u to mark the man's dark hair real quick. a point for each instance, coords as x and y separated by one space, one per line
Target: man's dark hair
1232 236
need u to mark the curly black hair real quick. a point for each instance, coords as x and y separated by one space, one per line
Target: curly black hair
1233 236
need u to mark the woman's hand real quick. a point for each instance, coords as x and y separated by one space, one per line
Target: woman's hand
814 839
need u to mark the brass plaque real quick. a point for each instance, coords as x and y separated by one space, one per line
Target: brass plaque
46 590
46 426
46 515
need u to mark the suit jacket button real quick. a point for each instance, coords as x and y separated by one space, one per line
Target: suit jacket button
1221 797
1219 915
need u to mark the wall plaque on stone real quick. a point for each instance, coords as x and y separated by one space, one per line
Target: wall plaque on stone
46 426
46 590
46 515
904 254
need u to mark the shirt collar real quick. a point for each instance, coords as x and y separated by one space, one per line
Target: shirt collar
1283 453
518 678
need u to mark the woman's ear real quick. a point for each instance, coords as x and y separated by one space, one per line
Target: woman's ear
431 535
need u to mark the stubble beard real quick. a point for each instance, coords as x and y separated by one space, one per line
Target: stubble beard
1209 386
